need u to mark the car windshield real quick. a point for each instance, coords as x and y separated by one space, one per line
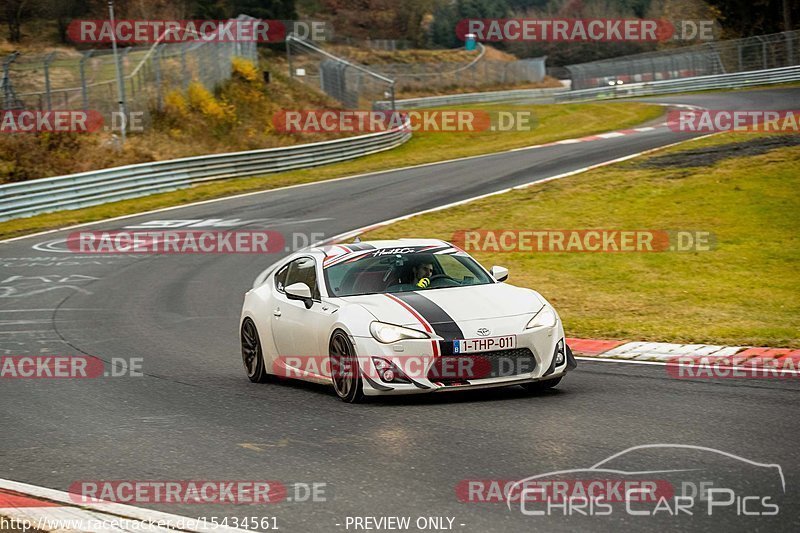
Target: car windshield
401 270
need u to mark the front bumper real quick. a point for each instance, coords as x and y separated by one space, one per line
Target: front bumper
417 363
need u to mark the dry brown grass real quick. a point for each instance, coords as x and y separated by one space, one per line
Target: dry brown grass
238 117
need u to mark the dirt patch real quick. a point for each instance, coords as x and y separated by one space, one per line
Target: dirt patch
703 157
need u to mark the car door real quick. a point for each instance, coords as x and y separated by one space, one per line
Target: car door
296 330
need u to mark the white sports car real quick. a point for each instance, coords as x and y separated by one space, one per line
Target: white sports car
399 317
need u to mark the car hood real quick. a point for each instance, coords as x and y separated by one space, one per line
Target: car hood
459 304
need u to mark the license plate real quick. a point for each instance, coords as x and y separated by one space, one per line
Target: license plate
486 344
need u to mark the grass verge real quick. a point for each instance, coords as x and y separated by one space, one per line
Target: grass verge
554 122
741 187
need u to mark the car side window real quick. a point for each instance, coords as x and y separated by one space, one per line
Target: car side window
304 270
280 278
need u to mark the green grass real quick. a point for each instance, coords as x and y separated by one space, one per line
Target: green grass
746 291
554 122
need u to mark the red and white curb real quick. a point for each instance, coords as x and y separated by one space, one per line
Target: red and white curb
28 507
664 353
620 133
609 135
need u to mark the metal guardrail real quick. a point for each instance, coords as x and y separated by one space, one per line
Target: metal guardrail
558 95
121 183
699 83
542 96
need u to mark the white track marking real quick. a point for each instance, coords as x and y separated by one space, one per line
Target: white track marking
662 351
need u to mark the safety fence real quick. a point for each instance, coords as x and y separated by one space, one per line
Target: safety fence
760 52
354 86
360 86
86 80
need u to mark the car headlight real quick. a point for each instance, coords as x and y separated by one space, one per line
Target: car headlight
389 333
545 317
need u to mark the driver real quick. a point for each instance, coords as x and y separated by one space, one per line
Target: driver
422 272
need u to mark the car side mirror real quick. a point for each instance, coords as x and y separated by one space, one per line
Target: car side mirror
300 291
499 273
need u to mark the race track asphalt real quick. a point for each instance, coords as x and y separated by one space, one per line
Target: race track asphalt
194 415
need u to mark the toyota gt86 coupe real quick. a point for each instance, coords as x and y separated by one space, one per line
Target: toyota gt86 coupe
399 317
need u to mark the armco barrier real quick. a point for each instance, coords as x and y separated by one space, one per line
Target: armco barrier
699 83
120 183
541 96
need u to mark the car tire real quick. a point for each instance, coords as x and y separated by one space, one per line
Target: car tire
539 386
346 374
252 354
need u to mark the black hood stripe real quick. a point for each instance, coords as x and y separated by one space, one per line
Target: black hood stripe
442 323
